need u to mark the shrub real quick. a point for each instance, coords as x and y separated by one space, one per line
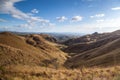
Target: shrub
30 41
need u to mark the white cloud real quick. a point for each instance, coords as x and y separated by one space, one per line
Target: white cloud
77 18
34 11
51 24
30 14
7 7
61 19
97 16
3 20
35 21
104 26
116 8
100 20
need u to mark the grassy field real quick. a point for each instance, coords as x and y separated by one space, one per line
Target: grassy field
40 73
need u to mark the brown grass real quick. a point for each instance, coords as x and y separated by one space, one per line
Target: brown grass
20 72
22 60
106 55
15 50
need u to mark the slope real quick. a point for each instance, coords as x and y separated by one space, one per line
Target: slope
106 55
90 41
42 50
81 47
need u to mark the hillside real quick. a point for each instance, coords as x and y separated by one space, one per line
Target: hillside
39 56
105 55
81 47
87 42
13 56
48 37
34 49
91 38
94 49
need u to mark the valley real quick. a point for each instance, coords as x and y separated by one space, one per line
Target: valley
42 56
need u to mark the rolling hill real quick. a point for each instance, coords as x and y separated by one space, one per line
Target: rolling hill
33 49
28 50
39 56
105 55
105 51
81 47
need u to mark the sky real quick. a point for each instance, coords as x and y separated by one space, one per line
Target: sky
83 16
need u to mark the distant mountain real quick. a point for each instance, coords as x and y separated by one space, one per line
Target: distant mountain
58 37
48 37
61 37
70 50
91 38
87 42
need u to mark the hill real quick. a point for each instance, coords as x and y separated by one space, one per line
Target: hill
48 37
91 38
106 55
39 56
82 46
87 42
33 48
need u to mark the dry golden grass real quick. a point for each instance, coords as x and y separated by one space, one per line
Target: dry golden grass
40 73
14 49
22 61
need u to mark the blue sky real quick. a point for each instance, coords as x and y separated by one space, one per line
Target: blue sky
83 16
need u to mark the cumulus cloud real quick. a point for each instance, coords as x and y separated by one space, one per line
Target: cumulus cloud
34 11
61 19
3 20
116 8
97 16
7 7
77 18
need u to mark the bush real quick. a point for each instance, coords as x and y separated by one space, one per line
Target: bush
31 42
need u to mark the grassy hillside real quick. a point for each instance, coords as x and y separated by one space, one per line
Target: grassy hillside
91 38
38 57
42 50
13 56
81 47
106 55
40 73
